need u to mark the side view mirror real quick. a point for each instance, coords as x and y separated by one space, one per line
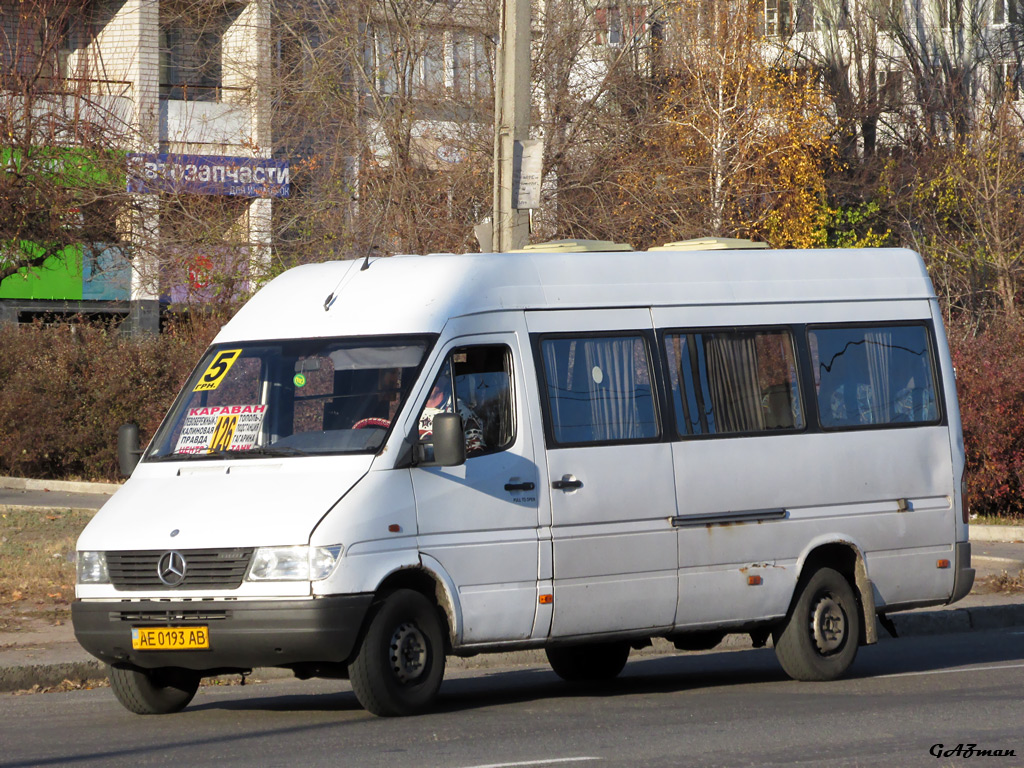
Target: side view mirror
449 440
128 451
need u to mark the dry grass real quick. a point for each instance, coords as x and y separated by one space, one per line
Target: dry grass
65 685
1004 583
37 564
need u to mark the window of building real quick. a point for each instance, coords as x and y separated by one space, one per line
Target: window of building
191 42
1005 11
616 25
1006 81
432 67
808 16
598 389
386 64
481 380
778 17
43 44
873 376
737 381
470 64
949 12
889 88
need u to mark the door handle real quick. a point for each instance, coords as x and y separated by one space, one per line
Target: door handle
519 486
567 483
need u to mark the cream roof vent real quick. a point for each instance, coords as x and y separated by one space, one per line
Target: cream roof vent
575 246
710 244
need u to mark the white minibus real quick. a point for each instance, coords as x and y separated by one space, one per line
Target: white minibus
379 464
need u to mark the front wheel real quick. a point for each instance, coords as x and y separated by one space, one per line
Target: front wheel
154 691
820 638
591 662
400 663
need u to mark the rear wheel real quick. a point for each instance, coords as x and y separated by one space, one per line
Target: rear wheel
819 640
400 663
154 691
591 662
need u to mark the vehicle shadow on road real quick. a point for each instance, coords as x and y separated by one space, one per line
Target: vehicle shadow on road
687 672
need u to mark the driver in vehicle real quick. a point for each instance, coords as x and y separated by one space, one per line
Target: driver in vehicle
440 401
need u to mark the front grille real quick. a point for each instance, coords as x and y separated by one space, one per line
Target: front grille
134 571
166 617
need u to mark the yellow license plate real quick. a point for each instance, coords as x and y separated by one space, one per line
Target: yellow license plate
170 638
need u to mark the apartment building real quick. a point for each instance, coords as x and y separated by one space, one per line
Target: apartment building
900 61
180 90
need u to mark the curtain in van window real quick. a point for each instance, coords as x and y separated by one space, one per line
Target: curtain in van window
874 376
599 389
612 388
558 381
879 349
732 380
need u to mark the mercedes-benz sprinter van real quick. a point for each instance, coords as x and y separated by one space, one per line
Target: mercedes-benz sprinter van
380 464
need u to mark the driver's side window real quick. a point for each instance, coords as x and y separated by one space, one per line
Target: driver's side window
476 383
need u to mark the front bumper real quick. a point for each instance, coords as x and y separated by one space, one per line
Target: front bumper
243 634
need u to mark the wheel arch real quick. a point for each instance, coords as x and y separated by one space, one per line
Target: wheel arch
846 557
429 580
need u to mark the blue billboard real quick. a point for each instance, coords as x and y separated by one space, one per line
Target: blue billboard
208 175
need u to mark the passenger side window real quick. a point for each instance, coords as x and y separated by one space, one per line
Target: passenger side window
873 376
481 379
599 389
728 382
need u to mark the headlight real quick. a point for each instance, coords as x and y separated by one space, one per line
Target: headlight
293 563
91 568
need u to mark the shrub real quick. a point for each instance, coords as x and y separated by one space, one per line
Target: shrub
65 389
990 384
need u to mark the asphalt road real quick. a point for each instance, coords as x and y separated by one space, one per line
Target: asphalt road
715 709
43 498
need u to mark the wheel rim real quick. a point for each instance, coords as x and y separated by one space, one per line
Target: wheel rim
408 653
828 624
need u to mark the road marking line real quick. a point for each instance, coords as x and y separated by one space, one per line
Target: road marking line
951 671
549 761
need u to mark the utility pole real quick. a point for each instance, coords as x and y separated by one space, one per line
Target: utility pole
510 226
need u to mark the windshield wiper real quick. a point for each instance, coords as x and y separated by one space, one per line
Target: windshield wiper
221 453
269 450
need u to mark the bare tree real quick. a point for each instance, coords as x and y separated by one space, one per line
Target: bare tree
387 108
62 180
717 138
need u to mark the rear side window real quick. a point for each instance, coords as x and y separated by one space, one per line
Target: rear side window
599 389
873 376
733 382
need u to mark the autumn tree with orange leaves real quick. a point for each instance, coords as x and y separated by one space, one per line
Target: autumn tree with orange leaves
736 145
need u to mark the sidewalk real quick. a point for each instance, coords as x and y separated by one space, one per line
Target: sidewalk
47 655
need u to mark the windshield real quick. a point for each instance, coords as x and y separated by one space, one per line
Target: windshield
291 398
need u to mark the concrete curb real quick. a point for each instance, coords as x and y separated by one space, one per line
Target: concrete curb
24 676
954 620
65 486
913 624
997 533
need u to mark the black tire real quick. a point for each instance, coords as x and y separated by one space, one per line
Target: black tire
399 665
821 635
590 662
153 691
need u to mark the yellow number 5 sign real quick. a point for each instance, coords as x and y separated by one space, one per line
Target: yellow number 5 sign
218 369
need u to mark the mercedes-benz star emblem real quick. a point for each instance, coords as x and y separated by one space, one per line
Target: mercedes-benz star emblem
170 569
